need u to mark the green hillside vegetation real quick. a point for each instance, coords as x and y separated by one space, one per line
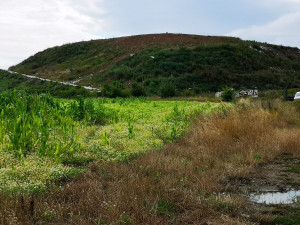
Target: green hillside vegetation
69 61
16 81
188 62
206 69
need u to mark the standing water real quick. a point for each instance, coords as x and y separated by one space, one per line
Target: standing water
288 197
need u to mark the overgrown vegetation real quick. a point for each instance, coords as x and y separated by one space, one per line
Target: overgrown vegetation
196 63
69 61
138 90
228 94
208 68
180 183
136 161
115 89
16 81
167 90
44 140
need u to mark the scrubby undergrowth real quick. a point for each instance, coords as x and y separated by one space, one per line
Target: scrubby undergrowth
177 185
192 63
17 81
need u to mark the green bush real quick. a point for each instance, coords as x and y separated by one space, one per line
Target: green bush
189 93
113 90
167 90
126 93
138 90
228 94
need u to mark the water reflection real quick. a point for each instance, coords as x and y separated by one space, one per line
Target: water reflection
288 197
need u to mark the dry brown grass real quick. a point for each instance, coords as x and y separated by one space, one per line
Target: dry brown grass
177 185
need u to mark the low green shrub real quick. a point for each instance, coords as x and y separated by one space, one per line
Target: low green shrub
113 90
167 90
228 94
138 90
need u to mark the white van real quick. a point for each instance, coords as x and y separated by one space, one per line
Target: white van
297 96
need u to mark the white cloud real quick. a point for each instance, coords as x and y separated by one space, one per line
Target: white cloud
29 26
278 3
297 1
284 30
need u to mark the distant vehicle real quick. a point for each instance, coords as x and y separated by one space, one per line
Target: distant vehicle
242 93
297 96
248 93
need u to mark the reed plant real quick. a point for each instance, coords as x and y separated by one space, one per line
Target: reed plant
33 123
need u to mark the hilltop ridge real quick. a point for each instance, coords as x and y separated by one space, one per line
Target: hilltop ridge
199 63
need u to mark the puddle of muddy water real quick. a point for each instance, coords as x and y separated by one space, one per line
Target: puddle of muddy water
288 197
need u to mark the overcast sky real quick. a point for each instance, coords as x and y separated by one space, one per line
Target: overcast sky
29 26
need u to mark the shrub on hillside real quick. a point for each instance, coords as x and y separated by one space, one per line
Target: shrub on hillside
113 90
167 90
271 94
137 90
228 94
189 92
126 93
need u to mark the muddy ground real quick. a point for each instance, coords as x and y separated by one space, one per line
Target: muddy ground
280 175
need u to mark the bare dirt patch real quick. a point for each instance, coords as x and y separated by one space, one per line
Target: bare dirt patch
141 41
280 175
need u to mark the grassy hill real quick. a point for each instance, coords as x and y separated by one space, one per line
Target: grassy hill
189 62
17 81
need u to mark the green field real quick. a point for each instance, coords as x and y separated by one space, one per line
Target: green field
45 140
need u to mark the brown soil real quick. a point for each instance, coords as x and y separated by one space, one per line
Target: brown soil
141 41
278 175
